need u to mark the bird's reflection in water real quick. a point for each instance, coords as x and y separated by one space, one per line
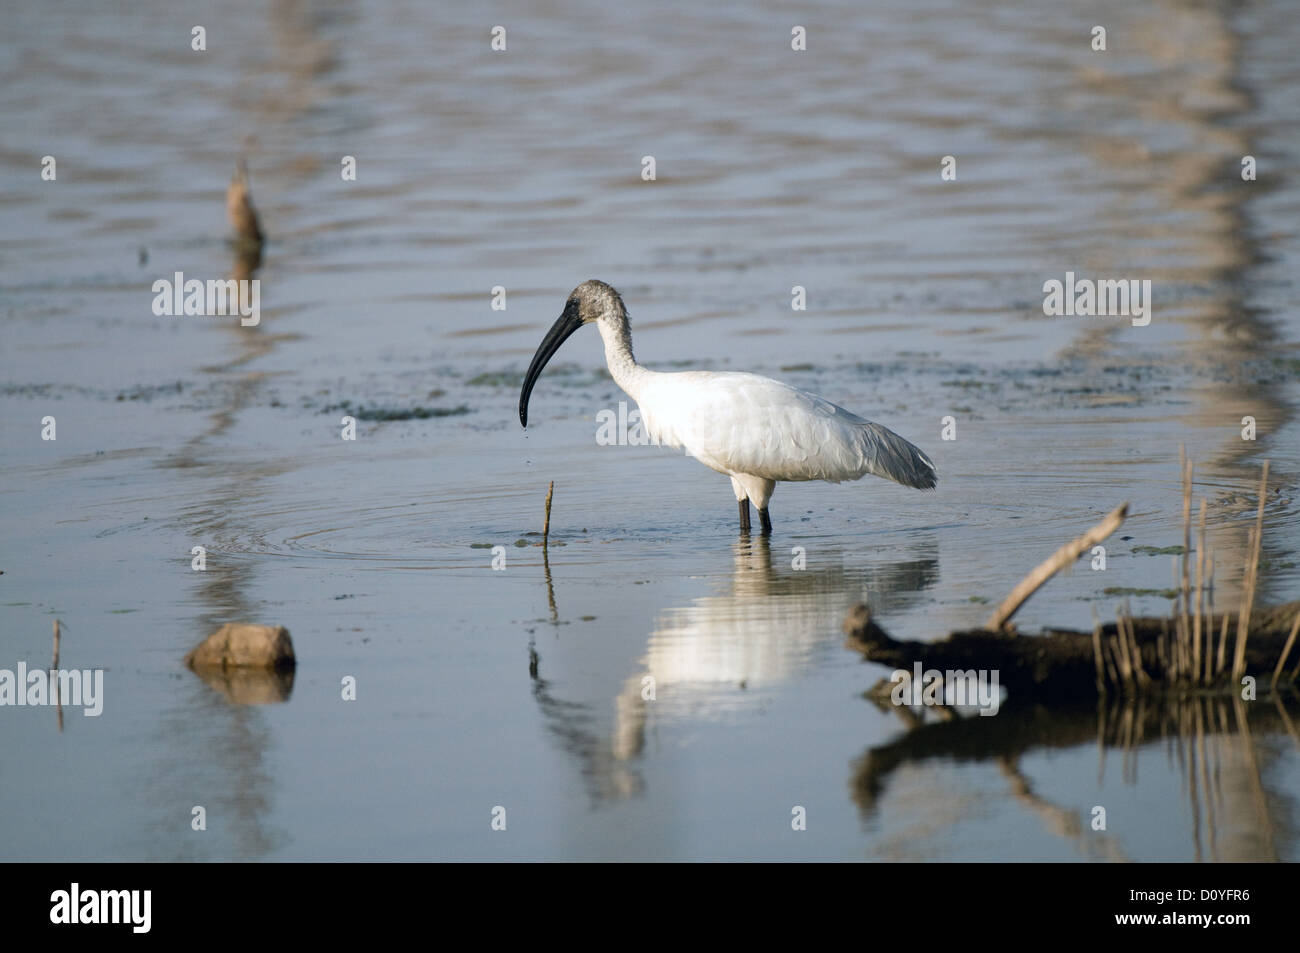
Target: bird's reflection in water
770 624
1217 745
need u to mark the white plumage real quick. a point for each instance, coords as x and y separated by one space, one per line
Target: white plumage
743 423
754 429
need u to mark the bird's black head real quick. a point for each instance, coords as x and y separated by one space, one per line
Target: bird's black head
587 303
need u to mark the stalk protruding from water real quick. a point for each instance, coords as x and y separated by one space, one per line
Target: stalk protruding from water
546 527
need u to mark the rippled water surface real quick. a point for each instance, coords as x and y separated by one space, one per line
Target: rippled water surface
524 688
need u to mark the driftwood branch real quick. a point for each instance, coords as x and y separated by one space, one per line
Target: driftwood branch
1132 655
1060 664
1045 570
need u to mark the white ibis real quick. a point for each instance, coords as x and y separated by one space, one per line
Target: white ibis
754 429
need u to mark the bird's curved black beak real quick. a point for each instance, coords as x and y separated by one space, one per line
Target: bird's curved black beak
565 325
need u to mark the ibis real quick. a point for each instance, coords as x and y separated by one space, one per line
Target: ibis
756 430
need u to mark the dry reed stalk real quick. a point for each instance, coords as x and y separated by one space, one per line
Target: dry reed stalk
1096 654
1184 589
1121 647
1111 669
1209 620
1200 581
1223 645
1286 650
1252 573
1136 653
1120 651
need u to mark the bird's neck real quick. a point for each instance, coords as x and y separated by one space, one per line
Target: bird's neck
616 334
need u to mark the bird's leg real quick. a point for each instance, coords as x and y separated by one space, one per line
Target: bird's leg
767 523
744 515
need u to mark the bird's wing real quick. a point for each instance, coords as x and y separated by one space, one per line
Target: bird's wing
745 423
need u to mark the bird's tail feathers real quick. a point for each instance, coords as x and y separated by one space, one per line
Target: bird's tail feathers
890 456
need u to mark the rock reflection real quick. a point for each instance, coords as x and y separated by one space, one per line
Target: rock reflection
249 686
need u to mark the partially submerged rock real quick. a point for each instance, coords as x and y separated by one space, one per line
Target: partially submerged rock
243 645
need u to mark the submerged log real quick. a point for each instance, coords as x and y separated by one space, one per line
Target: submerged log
1060 664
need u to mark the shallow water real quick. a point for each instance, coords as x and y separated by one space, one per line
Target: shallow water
522 688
